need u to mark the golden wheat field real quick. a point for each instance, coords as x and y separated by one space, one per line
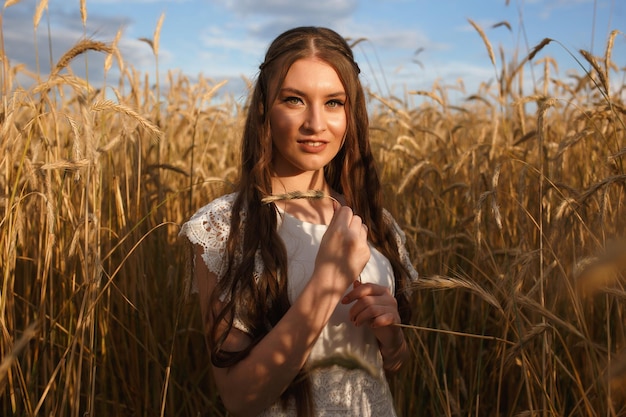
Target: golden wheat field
514 205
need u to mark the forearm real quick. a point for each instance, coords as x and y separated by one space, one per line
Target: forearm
260 378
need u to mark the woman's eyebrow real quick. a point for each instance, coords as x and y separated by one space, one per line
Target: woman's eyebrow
297 92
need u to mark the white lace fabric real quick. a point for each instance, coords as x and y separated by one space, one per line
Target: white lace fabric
337 390
209 227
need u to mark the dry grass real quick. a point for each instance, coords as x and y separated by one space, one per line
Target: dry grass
513 204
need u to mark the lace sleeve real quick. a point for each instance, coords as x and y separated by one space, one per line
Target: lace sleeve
403 252
209 228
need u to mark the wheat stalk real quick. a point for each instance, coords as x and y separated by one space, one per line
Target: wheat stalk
78 49
480 31
109 59
43 4
429 94
601 74
444 282
454 333
83 12
9 3
608 52
124 109
296 195
157 34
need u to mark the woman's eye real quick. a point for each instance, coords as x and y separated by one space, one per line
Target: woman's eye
292 100
335 103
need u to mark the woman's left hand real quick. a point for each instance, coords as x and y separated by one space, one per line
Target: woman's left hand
376 307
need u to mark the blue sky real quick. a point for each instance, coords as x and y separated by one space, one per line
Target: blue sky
226 39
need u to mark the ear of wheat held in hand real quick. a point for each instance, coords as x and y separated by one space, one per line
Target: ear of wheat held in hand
295 195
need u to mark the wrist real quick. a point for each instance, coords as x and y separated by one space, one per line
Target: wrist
331 277
394 353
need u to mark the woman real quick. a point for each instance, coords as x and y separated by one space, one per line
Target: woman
297 294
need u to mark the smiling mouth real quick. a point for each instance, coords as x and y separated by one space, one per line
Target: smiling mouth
312 143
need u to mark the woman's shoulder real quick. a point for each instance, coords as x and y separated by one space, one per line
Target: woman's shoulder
210 221
209 228
220 207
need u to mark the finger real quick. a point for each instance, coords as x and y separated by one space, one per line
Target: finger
363 230
358 313
361 290
356 222
342 215
353 294
367 305
375 311
336 205
383 320
373 316
367 309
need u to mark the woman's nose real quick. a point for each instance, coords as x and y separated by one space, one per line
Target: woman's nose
315 120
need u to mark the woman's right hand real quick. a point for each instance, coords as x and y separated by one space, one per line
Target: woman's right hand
344 249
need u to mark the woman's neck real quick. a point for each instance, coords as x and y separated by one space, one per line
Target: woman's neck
318 210
302 182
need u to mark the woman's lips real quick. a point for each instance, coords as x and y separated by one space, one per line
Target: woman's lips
312 146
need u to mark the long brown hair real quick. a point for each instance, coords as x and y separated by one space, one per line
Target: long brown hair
261 303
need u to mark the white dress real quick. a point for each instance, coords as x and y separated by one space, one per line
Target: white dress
346 367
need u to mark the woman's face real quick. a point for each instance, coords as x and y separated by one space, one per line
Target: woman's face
308 119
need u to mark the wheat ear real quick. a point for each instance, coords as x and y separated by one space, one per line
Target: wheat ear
295 195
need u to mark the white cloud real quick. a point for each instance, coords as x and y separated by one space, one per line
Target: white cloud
265 19
215 39
282 8
407 39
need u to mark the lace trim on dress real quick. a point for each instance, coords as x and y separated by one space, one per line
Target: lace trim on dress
209 227
402 251
339 392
